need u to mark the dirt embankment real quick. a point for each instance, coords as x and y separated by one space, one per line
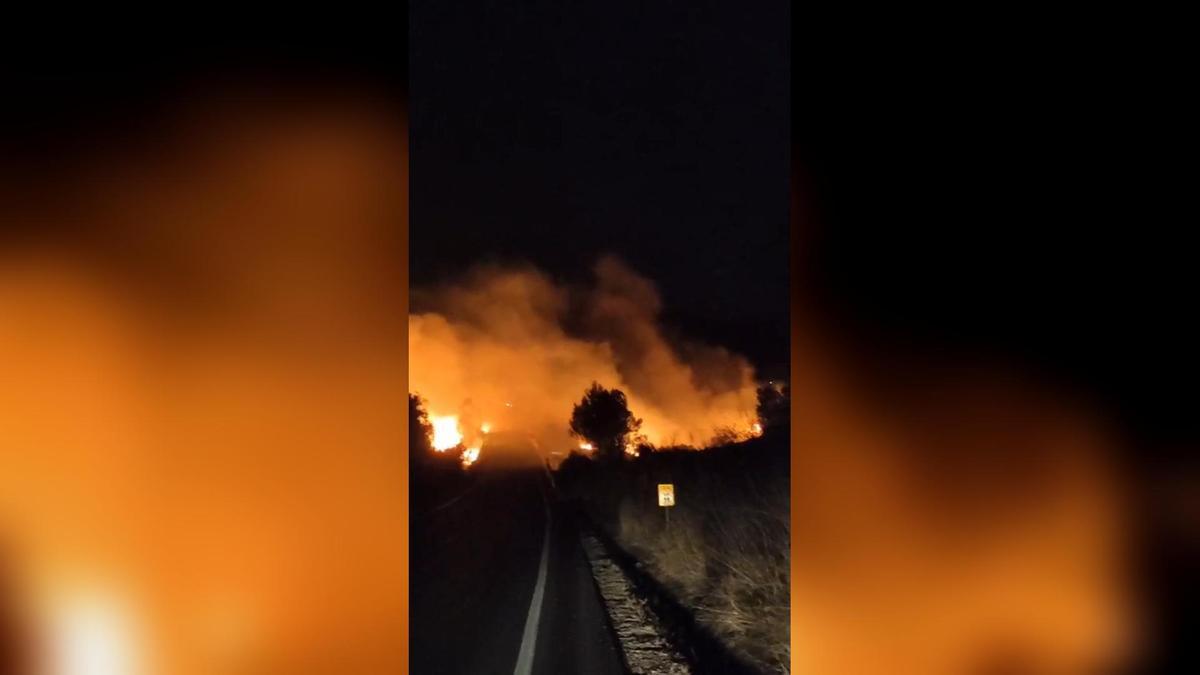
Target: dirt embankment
723 553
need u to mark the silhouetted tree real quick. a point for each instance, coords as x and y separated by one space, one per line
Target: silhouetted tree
424 461
420 432
602 418
774 406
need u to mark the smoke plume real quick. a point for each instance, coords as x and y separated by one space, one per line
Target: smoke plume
510 349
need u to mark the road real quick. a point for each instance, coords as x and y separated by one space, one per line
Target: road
499 584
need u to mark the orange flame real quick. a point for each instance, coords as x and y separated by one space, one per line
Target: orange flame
446 433
470 456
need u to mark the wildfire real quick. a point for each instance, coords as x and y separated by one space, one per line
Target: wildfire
470 456
446 433
586 447
462 346
756 429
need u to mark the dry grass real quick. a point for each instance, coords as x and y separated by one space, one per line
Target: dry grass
724 554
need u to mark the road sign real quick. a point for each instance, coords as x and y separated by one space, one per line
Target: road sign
666 494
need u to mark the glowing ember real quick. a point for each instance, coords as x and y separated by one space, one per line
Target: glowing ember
631 450
586 447
446 433
469 456
486 428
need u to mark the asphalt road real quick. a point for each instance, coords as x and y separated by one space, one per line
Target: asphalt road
490 593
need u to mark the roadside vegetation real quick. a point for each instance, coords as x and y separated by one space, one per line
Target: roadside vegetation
722 551
434 477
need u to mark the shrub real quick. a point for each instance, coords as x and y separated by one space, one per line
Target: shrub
602 418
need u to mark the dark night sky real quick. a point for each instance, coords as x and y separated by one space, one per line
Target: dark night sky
655 131
968 195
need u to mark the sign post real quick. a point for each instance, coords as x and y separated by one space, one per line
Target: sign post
666 500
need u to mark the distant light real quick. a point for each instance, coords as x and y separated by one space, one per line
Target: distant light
507 405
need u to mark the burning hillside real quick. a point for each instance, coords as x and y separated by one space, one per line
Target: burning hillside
510 350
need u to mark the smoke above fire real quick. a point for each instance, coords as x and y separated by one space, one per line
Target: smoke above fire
509 350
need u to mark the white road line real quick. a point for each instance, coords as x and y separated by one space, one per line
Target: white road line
529 638
453 501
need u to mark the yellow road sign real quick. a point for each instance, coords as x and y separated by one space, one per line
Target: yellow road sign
666 494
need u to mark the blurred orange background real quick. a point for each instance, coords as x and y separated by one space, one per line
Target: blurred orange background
202 349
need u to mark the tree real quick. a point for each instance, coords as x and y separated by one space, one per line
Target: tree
602 418
419 430
424 462
774 405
